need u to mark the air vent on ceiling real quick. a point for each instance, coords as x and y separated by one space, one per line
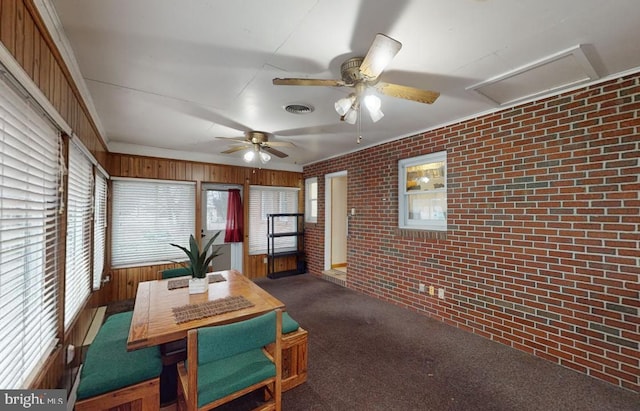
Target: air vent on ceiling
551 74
298 108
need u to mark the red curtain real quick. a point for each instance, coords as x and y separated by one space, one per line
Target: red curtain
233 232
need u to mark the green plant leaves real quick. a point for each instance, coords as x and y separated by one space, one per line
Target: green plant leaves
199 261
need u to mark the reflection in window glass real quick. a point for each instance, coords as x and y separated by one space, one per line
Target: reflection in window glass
217 202
423 192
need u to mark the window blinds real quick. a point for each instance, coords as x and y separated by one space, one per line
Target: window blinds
29 198
265 200
79 222
99 227
147 216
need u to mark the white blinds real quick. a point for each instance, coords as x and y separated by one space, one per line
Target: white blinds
271 200
147 216
79 221
29 173
99 228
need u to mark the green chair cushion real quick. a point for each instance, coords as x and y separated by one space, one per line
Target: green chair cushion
108 365
215 343
220 378
116 327
289 325
175 272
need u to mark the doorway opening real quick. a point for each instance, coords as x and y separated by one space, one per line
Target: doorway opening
336 228
215 201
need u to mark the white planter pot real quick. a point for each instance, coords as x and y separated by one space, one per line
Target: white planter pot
198 285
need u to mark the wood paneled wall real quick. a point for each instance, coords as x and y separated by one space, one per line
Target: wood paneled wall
124 282
24 34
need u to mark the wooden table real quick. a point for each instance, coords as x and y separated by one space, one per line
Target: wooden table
153 322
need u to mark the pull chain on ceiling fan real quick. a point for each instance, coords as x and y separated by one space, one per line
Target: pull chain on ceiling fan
362 74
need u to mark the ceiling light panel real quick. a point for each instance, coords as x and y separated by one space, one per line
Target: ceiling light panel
551 74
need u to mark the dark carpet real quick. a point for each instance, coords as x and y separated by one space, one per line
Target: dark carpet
366 354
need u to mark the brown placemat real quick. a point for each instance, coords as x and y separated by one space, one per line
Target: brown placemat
184 282
210 308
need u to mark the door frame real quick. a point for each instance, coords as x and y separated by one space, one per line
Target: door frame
327 215
236 249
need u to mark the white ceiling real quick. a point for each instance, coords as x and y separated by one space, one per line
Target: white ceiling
166 77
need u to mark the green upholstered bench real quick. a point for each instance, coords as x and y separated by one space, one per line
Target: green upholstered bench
112 376
175 272
294 353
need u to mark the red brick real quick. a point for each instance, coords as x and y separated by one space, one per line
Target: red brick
567 247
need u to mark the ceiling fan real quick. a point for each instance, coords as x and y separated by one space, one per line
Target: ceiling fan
362 74
257 145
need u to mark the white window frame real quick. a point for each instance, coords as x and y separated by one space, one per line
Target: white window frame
78 266
99 226
30 166
311 200
435 210
261 203
147 216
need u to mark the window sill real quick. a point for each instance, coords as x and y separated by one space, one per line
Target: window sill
421 234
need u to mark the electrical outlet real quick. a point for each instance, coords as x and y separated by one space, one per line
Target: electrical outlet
432 290
265 260
421 288
441 293
71 352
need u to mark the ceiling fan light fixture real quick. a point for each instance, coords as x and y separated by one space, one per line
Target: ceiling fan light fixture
264 157
373 103
376 115
249 156
343 105
351 117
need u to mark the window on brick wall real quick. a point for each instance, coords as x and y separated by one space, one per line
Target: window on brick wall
311 200
422 195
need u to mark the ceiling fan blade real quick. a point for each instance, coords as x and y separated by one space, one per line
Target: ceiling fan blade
382 51
275 152
234 149
280 144
307 82
407 93
241 139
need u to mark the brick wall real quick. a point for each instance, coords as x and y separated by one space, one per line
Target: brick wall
543 247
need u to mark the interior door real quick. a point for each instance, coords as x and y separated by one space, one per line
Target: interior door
335 236
215 198
339 222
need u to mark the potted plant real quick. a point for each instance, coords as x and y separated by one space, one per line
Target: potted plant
199 262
